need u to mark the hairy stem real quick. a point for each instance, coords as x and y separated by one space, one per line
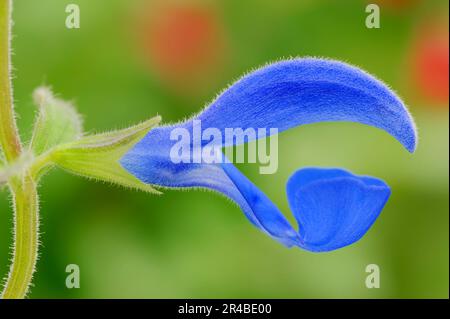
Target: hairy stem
9 137
23 188
26 224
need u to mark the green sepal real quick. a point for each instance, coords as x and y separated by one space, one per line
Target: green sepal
97 156
57 122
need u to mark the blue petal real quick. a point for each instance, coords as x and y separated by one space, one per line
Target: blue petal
281 95
267 215
303 91
333 207
223 178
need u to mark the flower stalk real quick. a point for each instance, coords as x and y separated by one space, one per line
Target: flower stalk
22 186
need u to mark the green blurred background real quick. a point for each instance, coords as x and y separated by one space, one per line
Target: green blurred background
131 60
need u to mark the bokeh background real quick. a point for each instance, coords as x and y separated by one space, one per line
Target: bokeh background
133 59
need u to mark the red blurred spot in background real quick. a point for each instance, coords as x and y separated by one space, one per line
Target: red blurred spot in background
430 61
183 42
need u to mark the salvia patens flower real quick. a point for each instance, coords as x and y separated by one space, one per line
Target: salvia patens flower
333 207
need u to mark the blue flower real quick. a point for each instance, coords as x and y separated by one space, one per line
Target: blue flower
333 207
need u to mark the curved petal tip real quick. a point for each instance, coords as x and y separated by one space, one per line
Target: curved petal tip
301 91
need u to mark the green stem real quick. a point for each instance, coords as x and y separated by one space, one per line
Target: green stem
25 238
23 188
9 136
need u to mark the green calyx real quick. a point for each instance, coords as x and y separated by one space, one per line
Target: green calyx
58 141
